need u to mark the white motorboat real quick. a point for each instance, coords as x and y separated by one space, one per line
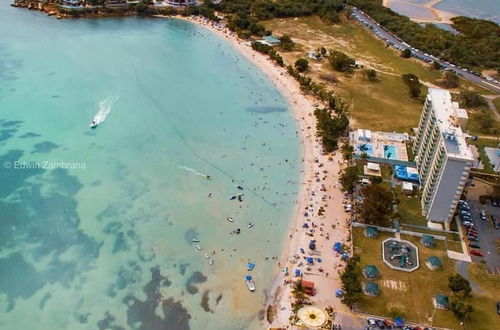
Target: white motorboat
93 124
249 282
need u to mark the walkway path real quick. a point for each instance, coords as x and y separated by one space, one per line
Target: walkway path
461 267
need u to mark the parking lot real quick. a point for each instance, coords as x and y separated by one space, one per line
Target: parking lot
488 236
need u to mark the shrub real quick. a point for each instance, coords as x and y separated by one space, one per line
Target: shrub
340 61
301 64
406 53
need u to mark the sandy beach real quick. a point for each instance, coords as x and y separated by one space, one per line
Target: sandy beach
319 188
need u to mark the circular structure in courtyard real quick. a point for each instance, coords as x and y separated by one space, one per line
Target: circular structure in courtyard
312 317
400 254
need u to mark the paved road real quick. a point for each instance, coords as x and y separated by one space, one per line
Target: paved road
398 44
487 235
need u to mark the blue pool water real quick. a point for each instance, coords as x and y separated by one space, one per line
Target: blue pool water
366 148
390 152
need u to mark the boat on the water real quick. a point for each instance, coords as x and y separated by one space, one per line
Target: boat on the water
250 225
211 261
93 124
249 282
198 246
206 256
195 240
250 265
230 219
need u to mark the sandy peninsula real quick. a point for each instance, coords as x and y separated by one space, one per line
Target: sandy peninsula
319 188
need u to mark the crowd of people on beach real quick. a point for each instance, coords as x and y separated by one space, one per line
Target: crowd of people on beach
321 220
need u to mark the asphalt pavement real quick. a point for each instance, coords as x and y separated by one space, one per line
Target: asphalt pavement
487 234
394 42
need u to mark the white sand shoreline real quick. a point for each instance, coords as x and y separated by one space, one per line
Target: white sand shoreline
302 111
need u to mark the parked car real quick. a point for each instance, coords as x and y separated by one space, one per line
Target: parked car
482 215
380 324
478 253
497 225
472 238
371 322
467 224
498 308
474 245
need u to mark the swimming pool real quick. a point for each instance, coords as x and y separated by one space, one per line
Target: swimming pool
390 152
366 148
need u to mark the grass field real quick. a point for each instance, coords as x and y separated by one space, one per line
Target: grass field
382 105
409 208
410 294
477 116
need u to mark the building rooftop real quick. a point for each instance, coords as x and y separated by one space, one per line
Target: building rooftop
453 136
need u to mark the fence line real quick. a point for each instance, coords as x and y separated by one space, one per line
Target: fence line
391 230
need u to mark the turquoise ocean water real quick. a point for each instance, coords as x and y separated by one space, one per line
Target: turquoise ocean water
96 225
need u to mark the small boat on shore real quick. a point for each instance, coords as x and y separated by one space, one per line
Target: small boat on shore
250 265
249 282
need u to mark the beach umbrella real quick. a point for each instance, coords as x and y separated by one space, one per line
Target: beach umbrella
310 260
312 317
339 293
345 256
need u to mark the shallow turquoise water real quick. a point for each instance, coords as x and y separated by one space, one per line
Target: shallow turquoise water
96 225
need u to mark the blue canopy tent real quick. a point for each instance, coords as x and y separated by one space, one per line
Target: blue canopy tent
298 273
310 261
337 247
339 293
399 321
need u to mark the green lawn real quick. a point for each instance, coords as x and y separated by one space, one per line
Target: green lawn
383 105
484 316
409 208
477 116
408 293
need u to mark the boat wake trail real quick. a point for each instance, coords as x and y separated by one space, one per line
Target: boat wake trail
104 109
192 170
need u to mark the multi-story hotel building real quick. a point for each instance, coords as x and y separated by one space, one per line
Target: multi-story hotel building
442 155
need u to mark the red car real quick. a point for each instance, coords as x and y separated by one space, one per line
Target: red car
478 253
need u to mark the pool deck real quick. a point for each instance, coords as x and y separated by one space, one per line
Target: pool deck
380 139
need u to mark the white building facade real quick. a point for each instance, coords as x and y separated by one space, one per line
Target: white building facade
442 155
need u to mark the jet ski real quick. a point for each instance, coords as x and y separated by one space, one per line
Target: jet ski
93 124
